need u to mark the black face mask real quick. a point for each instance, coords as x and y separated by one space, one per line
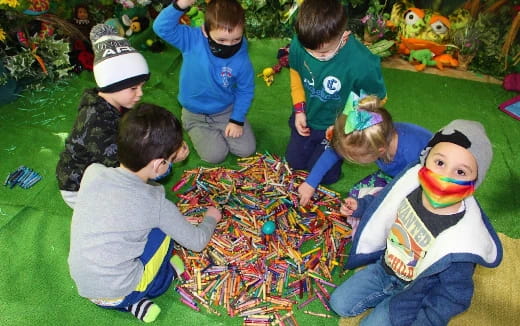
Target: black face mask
223 51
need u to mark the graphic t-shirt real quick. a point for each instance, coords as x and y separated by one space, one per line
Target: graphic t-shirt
412 234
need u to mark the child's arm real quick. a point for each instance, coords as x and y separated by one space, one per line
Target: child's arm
298 100
167 26
193 237
448 298
244 92
326 161
297 91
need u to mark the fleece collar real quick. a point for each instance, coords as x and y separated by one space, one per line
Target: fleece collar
472 239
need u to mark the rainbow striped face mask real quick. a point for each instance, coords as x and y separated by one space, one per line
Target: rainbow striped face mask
442 191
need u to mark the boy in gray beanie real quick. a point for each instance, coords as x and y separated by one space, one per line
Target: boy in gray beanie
470 135
120 73
422 236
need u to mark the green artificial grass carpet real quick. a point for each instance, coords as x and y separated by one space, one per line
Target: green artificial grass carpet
35 286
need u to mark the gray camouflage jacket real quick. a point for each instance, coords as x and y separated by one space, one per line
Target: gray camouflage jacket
92 140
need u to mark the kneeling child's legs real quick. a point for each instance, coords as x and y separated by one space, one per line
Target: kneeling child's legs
157 276
207 138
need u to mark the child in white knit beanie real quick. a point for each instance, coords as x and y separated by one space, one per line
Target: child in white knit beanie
120 72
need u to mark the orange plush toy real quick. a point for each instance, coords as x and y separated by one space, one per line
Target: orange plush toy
445 60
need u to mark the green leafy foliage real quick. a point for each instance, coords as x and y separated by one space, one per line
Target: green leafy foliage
263 18
489 59
467 39
24 64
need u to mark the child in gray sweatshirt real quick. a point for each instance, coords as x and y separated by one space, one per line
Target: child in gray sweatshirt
123 227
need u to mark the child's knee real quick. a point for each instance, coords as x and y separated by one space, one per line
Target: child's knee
214 156
244 151
336 304
342 307
243 146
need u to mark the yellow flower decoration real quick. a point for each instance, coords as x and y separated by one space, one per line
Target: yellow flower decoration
2 34
10 3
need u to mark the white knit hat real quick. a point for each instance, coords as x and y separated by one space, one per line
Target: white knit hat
117 65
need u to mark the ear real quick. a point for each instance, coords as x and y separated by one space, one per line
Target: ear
381 151
156 164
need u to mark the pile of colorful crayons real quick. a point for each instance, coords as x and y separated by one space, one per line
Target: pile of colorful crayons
254 275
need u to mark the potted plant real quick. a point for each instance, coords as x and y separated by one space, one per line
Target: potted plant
374 22
467 42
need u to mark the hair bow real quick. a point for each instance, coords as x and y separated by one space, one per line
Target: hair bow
358 119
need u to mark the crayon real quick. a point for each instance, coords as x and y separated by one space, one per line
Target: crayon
317 314
192 305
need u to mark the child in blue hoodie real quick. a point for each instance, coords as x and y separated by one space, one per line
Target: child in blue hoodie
217 78
422 236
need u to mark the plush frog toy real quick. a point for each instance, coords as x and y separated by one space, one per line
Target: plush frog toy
425 57
194 17
423 28
421 58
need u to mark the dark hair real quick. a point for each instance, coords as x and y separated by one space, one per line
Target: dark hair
319 22
80 6
147 132
224 14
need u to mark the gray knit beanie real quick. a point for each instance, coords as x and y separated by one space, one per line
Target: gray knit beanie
470 135
117 65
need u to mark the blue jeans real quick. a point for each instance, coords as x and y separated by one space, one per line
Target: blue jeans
371 287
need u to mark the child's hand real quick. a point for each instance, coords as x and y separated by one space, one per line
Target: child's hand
182 153
348 206
183 4
306 191
233 130
300 122
214 212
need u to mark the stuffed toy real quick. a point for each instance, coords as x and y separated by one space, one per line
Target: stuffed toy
283 61
194 17
81 56
135 25
424 29
421 58
425 57
445 60
81 20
